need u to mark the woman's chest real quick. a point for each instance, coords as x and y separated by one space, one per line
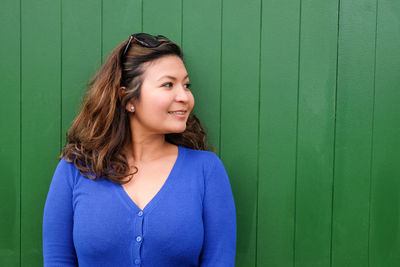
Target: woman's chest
107 217
146 183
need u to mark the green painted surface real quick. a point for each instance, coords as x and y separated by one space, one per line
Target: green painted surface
40 117
278 124
202 56
10 149
299 98
81 39
384 242
121 18
163 17
354 112
239 116
315 135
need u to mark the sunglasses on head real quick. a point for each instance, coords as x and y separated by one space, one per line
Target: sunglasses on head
144 39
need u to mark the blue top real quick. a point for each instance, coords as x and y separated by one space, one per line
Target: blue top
191 221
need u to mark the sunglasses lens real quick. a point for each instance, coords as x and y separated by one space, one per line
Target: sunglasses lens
147 40
144 39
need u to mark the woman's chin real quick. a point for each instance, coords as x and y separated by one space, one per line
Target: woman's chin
177 130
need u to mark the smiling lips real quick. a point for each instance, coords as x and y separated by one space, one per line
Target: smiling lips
178 113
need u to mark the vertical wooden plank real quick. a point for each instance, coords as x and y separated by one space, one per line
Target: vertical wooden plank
316 117
353 133
41 106
163 17
239 116
81 54
121 18
278 125
385 197
10 133
202 49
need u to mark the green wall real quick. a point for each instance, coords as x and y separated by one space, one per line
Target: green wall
301 99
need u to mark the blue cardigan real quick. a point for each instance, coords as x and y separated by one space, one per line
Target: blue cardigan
191 221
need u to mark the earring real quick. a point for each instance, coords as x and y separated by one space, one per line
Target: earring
132 108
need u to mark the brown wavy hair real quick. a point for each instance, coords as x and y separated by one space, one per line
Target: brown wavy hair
96 139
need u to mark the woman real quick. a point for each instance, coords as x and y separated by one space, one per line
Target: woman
134 185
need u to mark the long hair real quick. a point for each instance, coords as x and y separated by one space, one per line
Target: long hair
97 136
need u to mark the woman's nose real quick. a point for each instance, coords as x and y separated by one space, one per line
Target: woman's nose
182 94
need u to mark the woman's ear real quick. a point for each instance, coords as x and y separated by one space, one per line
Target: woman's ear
121 91
130 106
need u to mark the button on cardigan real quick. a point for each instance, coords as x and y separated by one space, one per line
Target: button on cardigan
191 221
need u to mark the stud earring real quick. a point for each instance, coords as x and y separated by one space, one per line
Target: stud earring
132 108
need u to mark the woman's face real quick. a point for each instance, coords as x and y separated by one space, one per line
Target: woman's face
165 100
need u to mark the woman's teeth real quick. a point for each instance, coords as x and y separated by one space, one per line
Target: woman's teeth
177 112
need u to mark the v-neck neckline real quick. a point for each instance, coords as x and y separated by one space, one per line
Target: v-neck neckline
149 206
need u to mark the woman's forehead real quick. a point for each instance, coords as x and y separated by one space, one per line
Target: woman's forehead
167 67
171 77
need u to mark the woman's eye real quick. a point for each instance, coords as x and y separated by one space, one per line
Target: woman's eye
169 84
188 85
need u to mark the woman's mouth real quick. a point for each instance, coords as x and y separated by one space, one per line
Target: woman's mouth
178 113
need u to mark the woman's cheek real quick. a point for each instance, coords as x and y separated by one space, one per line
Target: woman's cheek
192 101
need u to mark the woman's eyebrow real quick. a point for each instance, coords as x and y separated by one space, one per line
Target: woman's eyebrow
172 77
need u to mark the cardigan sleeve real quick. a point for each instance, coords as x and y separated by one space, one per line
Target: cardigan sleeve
58 247
219 218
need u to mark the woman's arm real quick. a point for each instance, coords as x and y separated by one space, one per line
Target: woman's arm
58 247
219 217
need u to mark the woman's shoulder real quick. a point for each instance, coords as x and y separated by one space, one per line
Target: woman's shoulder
67 164
202 156
199 153
206 162
66 170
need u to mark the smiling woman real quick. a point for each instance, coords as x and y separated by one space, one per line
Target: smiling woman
135 185
166 101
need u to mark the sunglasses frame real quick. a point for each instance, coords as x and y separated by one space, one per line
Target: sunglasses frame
144 39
